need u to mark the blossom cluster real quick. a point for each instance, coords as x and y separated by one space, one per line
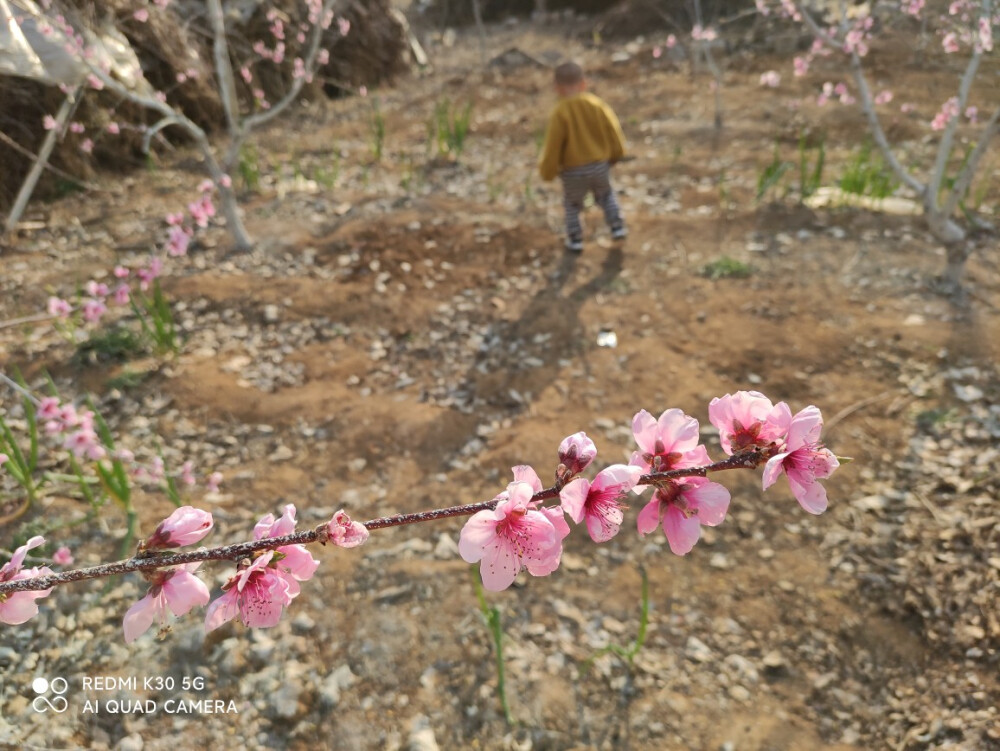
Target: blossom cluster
513 532
74 429
966 25
522 533
98 297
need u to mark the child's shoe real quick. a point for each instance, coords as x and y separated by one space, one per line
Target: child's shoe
619 233
574 246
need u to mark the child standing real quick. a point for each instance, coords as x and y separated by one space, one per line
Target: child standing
582 142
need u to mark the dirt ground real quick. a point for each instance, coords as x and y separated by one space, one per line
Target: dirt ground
400 339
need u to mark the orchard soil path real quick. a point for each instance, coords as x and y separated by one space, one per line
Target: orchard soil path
399 340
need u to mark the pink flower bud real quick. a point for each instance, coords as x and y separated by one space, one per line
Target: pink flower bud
344 532
63 557
576 452
185 526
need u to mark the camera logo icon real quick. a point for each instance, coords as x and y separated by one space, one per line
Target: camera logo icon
42 686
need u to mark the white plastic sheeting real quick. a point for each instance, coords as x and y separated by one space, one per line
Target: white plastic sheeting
33 46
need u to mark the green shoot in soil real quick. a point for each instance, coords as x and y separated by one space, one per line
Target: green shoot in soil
491 615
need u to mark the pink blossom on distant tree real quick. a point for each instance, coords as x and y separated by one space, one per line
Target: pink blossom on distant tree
93 310
949 111
63 557
770 79
58 307
213 482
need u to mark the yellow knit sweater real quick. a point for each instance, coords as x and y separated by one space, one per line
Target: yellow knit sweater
582 129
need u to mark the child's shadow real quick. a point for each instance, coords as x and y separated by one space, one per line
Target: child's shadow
508 376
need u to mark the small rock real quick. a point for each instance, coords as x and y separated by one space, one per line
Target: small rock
421 736
697 650
131 742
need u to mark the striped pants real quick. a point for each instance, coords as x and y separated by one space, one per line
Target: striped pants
577 182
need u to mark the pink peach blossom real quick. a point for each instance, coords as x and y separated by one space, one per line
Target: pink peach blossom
213 482
681 508
18 607
122 294
59 307
256 593
48 408
344 532
804 460
600 502
178 241
295 564
511 537
185 526
770 79
93 310
669 442
576 452
49 123
176 589
63 556
747 419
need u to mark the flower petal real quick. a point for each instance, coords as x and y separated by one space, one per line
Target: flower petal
773 470
810 495
140 616
712 502
805 427
223 610
479 532
500 566
644 428
183 591
682 532
573 497
525 473
649 518
678 431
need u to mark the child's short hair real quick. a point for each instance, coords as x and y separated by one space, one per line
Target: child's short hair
568 74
